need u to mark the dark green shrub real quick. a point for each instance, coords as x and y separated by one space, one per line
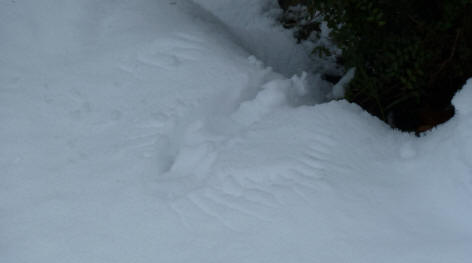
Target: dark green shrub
410 56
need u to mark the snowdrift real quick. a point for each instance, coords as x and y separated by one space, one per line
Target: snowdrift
159 131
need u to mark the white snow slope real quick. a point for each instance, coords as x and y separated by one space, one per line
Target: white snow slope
155 131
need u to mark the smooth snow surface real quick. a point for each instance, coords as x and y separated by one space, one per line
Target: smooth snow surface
156 131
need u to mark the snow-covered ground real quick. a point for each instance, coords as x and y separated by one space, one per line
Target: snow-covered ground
186 131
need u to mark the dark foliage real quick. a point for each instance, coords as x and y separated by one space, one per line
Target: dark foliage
410 56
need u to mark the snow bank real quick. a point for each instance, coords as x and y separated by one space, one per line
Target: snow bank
143 131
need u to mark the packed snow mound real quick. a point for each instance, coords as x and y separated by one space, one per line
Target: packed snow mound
462 99
461 136
144 131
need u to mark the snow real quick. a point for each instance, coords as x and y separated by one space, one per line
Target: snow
339 88
188 131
